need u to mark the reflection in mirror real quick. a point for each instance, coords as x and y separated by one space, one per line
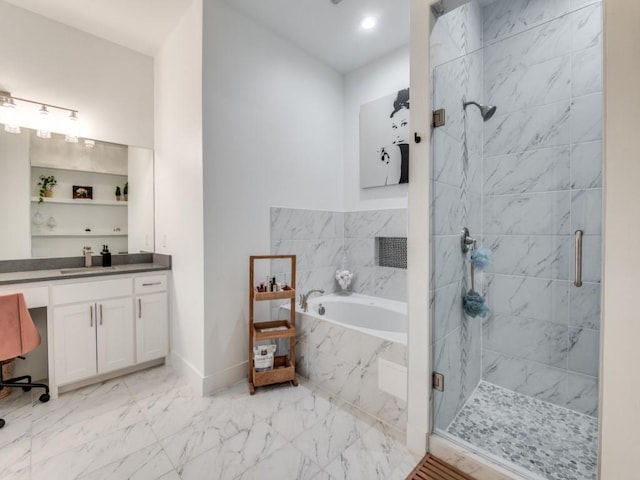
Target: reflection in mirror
81 208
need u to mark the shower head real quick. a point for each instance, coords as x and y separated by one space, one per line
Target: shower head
486 111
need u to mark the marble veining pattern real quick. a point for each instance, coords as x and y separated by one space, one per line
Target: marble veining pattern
150 425
345 363
319 239
540 437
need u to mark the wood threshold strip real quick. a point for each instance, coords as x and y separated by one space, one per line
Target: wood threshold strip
432 468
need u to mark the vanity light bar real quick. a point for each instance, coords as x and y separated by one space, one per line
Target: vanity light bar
8 117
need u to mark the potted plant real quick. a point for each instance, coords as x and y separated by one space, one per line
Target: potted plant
126 192
46 184
118 193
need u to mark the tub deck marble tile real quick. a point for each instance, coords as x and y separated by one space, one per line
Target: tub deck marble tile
150 425
550 441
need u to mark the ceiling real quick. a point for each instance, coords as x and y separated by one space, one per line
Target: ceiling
329 32
140 25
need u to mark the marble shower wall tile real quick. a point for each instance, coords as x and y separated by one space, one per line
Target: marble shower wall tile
586 165
587 71
525 376
450 211
456 33
530 171
584 310
585 208
545 213
508 17
582 394
586 27
454 83
529 85
537 340
542 178
447 311
584 351
544 256
457 357
533 128
528 297
376 223
586 118
448 264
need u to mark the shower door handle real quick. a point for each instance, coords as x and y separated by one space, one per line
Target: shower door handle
578 273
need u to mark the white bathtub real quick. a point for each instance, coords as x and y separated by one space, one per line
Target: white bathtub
386 319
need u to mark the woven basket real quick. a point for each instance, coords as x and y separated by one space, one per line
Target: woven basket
7 372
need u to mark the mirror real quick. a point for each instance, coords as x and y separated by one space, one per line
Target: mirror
81 208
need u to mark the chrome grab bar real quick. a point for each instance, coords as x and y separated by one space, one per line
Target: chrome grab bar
578 273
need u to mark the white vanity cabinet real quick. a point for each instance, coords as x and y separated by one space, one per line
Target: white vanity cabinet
93 328
152 321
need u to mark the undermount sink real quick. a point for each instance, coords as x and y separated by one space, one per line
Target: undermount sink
87 270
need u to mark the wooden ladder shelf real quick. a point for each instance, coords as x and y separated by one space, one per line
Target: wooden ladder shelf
284 368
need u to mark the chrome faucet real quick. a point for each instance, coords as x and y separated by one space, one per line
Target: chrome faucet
304 298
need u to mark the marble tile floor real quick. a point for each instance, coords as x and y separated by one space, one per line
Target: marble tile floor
549 441
149 425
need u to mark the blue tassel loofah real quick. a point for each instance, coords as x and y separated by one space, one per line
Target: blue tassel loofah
481 258
473 304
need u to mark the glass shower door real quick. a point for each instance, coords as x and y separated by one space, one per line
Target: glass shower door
521 383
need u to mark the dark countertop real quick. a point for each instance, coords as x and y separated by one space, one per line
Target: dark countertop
25 271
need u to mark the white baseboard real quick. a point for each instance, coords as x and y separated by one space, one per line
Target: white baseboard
224 378
194 378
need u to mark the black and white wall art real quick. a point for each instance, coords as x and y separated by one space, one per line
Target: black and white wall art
384 141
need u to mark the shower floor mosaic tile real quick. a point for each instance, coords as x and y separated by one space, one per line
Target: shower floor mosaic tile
550 441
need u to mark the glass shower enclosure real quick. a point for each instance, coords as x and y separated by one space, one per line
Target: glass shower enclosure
525 179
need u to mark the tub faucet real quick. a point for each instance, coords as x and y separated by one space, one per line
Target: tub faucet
305 297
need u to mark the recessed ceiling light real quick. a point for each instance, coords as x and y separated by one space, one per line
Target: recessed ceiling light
368 23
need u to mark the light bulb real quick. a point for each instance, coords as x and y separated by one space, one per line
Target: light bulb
9 116
72 128
368 23
44 128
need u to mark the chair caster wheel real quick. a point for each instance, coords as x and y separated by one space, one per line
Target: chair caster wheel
26 389
44 398
1 423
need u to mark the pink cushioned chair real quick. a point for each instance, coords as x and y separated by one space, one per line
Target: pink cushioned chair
18 335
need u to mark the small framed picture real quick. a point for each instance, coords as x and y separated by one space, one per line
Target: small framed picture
85 193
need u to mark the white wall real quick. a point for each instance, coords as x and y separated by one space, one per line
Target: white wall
620 387
15 206
273 136
375 80
140 218
179 199
111 86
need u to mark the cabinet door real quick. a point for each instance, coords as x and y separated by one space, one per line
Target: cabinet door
152 327
115 334
74 342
